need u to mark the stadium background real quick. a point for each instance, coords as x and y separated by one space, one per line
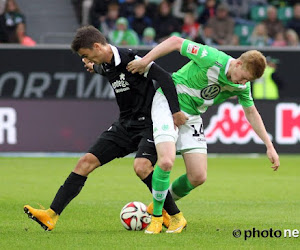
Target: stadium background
48 104
39 85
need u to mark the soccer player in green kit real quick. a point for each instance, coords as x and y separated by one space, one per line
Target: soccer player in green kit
211 77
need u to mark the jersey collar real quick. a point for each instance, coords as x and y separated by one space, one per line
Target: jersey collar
227 65
116 55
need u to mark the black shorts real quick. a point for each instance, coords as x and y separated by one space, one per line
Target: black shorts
122 139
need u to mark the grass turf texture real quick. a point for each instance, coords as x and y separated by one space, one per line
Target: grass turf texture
240 193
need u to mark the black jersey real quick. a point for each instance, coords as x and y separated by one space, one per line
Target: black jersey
134 92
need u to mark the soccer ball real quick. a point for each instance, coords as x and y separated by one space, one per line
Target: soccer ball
134 216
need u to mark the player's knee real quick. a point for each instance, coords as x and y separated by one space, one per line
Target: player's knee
166 163
142 167
198 179
86 164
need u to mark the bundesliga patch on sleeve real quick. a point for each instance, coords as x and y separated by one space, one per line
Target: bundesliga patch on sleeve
192 49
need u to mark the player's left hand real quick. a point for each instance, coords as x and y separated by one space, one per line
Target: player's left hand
88 65
273 157
179 118
137 66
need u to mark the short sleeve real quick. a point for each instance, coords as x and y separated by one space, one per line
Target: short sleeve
201 54
245 97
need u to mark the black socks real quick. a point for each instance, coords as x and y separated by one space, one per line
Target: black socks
68 192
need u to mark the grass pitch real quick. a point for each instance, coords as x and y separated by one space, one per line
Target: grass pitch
240 193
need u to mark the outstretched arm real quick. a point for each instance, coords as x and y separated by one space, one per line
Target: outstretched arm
258 126
169 45
166 83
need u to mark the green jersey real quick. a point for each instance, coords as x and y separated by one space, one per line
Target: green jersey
202 82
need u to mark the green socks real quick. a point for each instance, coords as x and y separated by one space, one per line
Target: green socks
181 187
160 185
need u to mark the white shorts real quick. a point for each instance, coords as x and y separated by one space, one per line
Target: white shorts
189 138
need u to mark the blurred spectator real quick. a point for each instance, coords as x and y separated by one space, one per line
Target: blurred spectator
98 11
209 11
190 28
239 9
206 36
267 87
77 4
181 7
139 21
292 38
9 20
294 23
279 40
127 7
152 6
222 24
21 36
149 37
108 22
259 36
123 35
164 23
272 23
2 6
235 40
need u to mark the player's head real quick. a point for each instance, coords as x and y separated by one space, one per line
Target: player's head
89 43
248 67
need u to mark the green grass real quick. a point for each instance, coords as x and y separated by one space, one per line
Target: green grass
240 193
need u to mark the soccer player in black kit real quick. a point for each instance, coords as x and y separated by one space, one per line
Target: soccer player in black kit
131 132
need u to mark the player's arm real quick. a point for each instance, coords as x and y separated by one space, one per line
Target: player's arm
165 81
92 67
169 45
258 126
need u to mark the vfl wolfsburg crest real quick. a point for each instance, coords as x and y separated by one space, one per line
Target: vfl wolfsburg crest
210 92
159 195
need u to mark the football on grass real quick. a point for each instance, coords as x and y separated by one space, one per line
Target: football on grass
134 216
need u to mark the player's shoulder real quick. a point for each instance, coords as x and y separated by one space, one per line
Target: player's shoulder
125 52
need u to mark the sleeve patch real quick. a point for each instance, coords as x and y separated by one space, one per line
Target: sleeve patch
192 49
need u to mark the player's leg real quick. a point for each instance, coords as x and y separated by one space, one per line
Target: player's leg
165 137
101 152
47 218
146 158
196 173
191 142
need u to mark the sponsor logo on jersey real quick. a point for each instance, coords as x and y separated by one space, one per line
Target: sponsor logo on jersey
210 92
121 85
204 53
192 49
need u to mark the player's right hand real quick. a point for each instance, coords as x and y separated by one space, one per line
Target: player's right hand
274 158
88 65
136 66
179 118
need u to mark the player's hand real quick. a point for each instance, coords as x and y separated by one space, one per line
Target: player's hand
274 158
179 118
137 66
88 65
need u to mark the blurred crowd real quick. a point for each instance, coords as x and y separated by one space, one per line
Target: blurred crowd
148 22
13 24
212 22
